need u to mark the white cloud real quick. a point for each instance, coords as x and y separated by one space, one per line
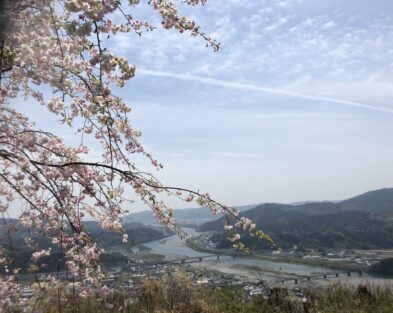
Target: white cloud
251 96
254 87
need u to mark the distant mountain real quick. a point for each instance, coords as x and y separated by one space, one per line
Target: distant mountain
137 234
191 216
309 201
365 221
377 200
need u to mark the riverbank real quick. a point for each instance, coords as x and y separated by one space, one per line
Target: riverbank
192 243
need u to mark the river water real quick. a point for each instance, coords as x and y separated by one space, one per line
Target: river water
175 248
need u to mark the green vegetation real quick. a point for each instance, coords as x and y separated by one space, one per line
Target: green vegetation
175 293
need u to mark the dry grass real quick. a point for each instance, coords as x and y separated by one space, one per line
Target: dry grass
175 293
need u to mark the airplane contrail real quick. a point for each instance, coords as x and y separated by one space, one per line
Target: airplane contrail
229 84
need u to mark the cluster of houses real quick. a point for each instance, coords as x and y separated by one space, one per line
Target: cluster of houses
334 256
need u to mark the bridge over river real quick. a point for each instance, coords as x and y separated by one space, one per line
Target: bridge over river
296 279
319 276
177 252
189 259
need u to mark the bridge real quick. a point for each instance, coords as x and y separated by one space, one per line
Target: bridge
194 259
187 260
296 280
326 275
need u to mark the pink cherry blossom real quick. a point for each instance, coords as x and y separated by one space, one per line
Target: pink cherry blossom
60 46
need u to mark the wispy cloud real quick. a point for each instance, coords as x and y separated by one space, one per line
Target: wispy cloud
287 98
244 86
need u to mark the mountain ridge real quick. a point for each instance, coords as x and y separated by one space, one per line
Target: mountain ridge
188 216
363 221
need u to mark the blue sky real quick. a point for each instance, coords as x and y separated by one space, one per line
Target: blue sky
296 105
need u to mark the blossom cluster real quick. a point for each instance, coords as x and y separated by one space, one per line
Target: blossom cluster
61 45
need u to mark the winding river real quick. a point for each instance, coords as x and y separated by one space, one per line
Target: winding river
174 248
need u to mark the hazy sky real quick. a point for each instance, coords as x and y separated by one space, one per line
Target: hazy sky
297 105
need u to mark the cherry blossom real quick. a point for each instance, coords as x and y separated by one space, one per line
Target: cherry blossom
60 45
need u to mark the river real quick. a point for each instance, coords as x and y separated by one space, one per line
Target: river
175 248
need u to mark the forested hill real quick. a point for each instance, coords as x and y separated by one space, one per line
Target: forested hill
364 221
110 241
137 234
